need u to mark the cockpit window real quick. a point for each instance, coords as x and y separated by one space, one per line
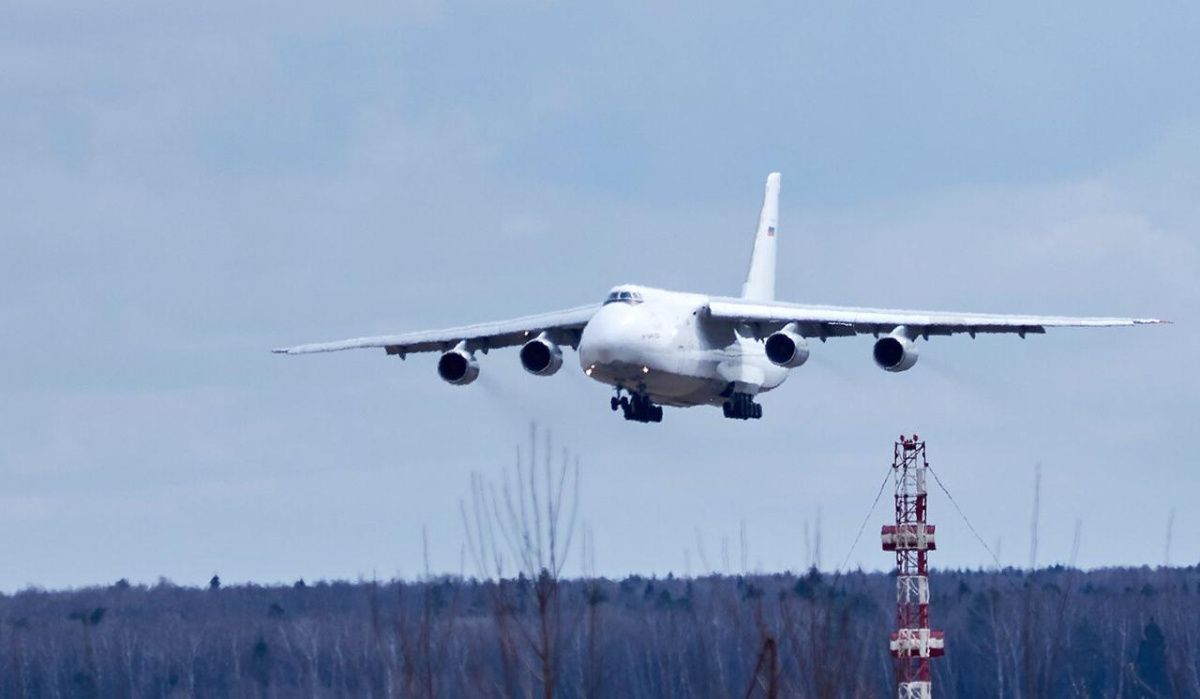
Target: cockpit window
623 296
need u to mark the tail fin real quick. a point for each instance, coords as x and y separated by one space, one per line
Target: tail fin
760 280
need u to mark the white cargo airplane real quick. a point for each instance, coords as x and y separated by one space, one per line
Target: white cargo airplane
680 349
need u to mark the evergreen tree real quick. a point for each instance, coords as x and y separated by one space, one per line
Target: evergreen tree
1151 662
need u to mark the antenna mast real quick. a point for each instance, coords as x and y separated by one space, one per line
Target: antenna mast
912 643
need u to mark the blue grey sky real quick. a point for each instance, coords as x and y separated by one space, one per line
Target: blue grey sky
186 186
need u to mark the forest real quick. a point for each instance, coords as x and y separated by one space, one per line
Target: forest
517 627
1122 632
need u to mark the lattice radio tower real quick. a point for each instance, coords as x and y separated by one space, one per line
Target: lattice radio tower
913 644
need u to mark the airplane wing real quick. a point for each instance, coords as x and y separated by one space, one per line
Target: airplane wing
482 336
839 321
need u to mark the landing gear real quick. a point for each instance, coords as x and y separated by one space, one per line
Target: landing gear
741 406
637 407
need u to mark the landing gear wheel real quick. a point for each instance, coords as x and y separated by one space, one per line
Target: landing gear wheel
639 408
615 403
741 406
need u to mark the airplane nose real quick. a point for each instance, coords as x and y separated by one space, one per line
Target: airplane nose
608 335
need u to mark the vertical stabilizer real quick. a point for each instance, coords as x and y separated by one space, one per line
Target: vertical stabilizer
760 280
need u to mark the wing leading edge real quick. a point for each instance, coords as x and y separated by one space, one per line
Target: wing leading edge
481 336
837 321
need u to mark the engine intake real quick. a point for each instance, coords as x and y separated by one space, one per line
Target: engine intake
458 367
787 348
541 357
895 353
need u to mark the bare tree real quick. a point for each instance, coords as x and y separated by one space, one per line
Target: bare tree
592 657
526 526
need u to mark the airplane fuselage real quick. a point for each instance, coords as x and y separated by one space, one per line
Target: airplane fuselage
663 344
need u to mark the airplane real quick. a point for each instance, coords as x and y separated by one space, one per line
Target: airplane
667 348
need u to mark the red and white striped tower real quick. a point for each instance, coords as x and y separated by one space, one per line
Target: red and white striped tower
913 644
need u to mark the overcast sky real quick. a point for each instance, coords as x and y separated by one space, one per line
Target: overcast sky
185 186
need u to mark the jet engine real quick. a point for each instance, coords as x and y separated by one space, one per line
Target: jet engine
895 352
458 367
787 348
541 357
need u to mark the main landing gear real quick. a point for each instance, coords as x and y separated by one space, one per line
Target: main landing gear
637 407
741 406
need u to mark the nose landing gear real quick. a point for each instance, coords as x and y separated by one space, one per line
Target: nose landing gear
637 407
741 406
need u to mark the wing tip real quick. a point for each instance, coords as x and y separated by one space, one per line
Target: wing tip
281 350
1152 321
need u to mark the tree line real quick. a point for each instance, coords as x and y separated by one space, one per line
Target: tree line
517 628
1129 632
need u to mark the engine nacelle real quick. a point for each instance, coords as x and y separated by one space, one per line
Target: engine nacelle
787 348
458 367
541 357
895 352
